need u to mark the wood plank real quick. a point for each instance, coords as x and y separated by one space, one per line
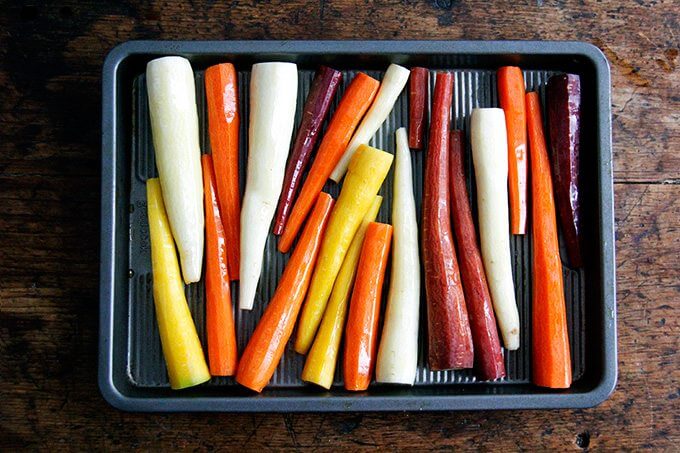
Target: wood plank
50 60
48 339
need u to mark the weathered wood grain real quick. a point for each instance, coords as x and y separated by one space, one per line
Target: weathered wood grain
50 60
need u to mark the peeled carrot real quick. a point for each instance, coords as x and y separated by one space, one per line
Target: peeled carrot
266 346
361 334
550 339
351 109
219 316
314 112
366 173
488 355
417 106
181 347
321 360
448 328
221 92
511 94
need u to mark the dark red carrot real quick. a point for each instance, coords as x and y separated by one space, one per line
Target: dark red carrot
361 333
221 92
266 345
488 356
564 120
511 95
219 316
450 341
550 340
417 104
321 93
353 105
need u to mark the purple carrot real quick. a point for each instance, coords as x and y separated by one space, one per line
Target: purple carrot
321 93
564 120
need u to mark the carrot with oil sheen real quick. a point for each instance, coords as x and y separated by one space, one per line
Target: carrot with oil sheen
488 355
391 87
219 315
181 347
417 112
221 93
354 103
314 112
266 346
367 171
174 126
490 158
322 358
551 356
563 96
398 352
449 338
511 96
361 333
273 93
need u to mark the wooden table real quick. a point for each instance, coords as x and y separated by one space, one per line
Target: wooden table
50 63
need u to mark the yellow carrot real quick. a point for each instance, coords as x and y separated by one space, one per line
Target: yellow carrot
367 171
320 364
181 347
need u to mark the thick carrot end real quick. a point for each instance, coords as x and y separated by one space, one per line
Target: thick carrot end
509 71
254 386
278 229
323 385
302 345
285 241
222 371
562 381
356 386
518 225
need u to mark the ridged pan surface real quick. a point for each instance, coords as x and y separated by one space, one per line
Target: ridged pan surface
473 88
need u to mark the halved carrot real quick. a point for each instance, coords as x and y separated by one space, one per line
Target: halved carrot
361 334
266 346
219 316
221 92
351 109
511 94
550 339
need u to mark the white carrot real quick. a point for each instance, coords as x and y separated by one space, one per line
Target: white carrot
174 124
398 352
490 157
273 93
390 88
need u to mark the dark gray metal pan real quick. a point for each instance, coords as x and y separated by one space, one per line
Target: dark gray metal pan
131 368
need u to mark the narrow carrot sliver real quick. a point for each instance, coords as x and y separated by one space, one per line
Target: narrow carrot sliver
361 333
511 95
550 339
417 106
266 346
314 112
351 109
219 316
221 89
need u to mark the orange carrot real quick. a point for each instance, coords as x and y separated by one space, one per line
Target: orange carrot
351 109
265 348
219 316
221 90
511 94
550 340
361 334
